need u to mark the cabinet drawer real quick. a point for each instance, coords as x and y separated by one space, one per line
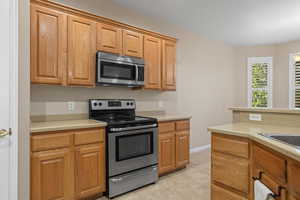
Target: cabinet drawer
231 171
294 177
182 125
219 193
166 127
232 146
89 136
49 141
269 163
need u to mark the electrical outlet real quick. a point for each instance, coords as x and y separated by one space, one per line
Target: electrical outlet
255 117
71 105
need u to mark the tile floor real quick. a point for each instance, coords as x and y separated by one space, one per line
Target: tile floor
191 183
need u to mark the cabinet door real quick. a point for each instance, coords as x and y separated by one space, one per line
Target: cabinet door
219 193
169 65
231 171
182 149
82 51
152 57
294 177
52 175
109 38
166 152
132 44
89 170
293 198
48 55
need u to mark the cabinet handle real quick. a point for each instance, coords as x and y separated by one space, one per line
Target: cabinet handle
116 180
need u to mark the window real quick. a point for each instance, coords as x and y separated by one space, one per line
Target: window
294 81
260 82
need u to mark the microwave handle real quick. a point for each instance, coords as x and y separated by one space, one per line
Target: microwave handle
136 73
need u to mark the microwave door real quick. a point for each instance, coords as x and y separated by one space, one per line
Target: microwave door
110 72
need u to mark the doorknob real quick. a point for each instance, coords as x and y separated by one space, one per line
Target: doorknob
3 133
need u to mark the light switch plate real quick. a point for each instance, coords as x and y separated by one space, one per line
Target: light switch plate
71 105
255 117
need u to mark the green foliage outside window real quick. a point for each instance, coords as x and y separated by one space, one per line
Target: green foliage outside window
259 85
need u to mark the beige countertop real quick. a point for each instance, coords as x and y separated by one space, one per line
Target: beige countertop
67 123
37 127
252 130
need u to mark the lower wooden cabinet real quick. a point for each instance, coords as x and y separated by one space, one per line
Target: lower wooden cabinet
173 146
166 153
294 178
182 148
73 169
230 167
52 177
219 193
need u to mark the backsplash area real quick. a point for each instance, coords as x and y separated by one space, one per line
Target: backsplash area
53 100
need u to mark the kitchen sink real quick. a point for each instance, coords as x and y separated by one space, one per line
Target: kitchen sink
293 140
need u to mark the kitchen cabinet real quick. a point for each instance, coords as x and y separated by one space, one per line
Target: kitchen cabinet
230 167
166 153
48 36
168 65
218 193
51 177
293 171
182 150
109 38
82 51
64 42
152 57
68 165
89 170
173 146
132 44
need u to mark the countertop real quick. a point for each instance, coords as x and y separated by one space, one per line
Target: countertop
252 130
37 127
264 110
69 124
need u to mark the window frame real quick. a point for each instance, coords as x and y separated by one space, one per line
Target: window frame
292 80
269 61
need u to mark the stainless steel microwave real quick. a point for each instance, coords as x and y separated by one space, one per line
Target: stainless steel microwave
113 69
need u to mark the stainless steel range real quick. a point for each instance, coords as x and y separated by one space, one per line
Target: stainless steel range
131 145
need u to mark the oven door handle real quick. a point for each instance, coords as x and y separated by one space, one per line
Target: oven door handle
132 128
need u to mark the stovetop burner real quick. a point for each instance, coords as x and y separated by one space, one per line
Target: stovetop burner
117 113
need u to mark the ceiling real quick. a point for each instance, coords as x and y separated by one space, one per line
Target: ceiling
237 22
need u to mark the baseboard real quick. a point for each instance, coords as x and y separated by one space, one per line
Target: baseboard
199 149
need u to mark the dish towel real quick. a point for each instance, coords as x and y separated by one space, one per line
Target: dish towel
262 192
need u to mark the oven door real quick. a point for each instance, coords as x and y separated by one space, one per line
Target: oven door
131 150
114 72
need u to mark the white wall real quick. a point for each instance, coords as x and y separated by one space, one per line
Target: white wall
205 77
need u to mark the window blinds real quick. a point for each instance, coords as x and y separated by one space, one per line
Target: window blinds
297 84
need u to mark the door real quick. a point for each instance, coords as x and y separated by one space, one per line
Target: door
5 96
169 65
53 176
89 170
82 51
182 149
48 45
109 38
152 56
166 152
130 150
132 44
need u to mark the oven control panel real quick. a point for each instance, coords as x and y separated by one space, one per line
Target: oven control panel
106 104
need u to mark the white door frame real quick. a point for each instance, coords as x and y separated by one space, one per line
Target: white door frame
19 99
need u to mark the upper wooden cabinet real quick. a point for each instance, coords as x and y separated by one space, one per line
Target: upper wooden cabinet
168 65
132 43
48 45
109 38
152 56
82 51
64 42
